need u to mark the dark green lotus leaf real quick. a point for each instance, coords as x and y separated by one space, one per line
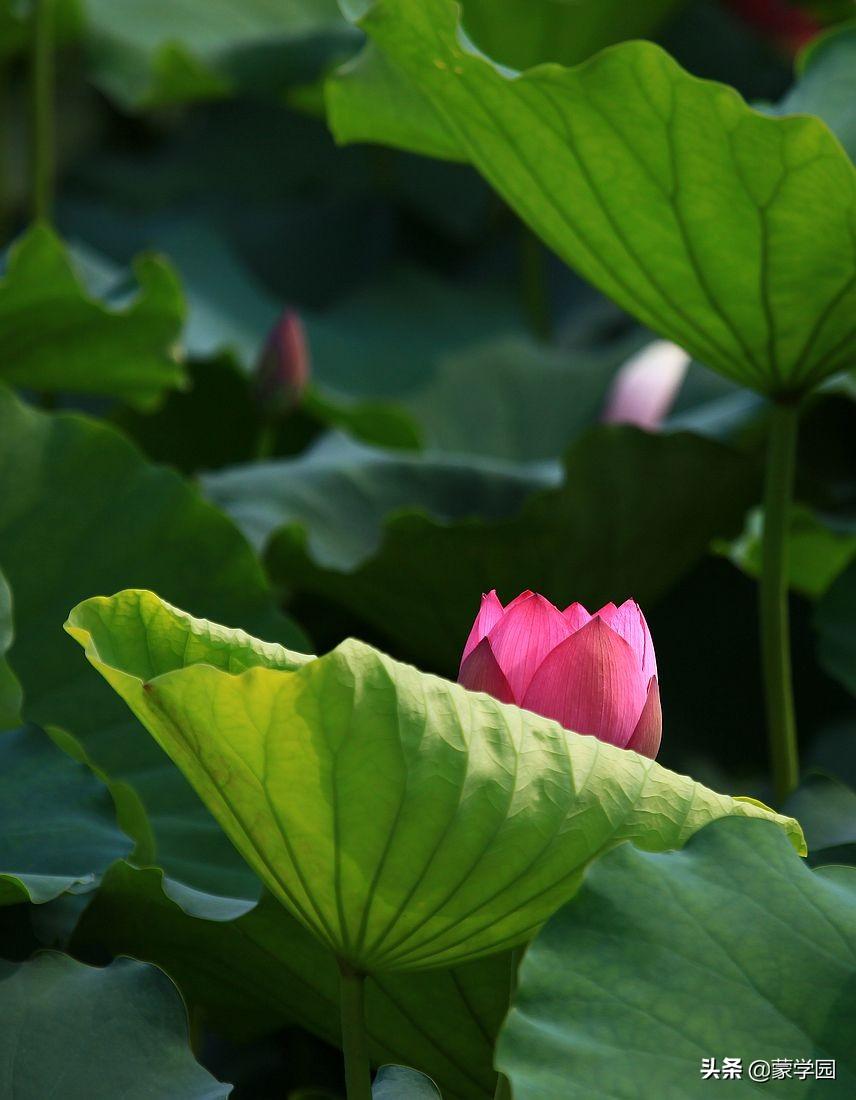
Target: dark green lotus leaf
251 975
727 231
56 337
732 948
625 522
826 809
341 492
484 816
81 510
85 1033
58 828
150 53
835 622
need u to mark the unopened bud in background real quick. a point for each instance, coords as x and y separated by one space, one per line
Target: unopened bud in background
644 390
788 25
282 370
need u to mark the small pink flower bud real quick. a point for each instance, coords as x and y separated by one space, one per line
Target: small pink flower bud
593 673
282 371
644 390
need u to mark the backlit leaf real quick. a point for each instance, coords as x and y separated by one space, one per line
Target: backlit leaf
483 816
722 229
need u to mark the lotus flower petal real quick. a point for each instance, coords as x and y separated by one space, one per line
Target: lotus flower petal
576 616
481 672
629 622
590 683
528 630
519 599
489 615
646 737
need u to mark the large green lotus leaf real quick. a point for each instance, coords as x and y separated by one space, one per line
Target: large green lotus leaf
55 337
521 33
625 522
483 816
81 511
85 1033
725 230
342 491
58 827
731 948
827 85
835 621
157 52
252 975
10 689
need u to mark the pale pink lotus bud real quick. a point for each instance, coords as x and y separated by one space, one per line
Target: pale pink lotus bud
593 673
282 370
644 390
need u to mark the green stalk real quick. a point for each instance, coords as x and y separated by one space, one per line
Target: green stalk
775 626
42 108
358 1078
5 114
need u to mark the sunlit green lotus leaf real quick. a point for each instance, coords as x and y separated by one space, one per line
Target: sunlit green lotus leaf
407 822
726 230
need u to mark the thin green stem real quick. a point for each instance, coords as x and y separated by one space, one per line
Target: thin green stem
5 115
775 625
358 1078
266 441
503 1085
42 110
533 278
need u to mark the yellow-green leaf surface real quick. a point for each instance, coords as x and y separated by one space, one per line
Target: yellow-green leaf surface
407 822
725 230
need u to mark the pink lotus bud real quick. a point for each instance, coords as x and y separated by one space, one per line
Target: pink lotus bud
594 674
283 366
785 23
644 390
